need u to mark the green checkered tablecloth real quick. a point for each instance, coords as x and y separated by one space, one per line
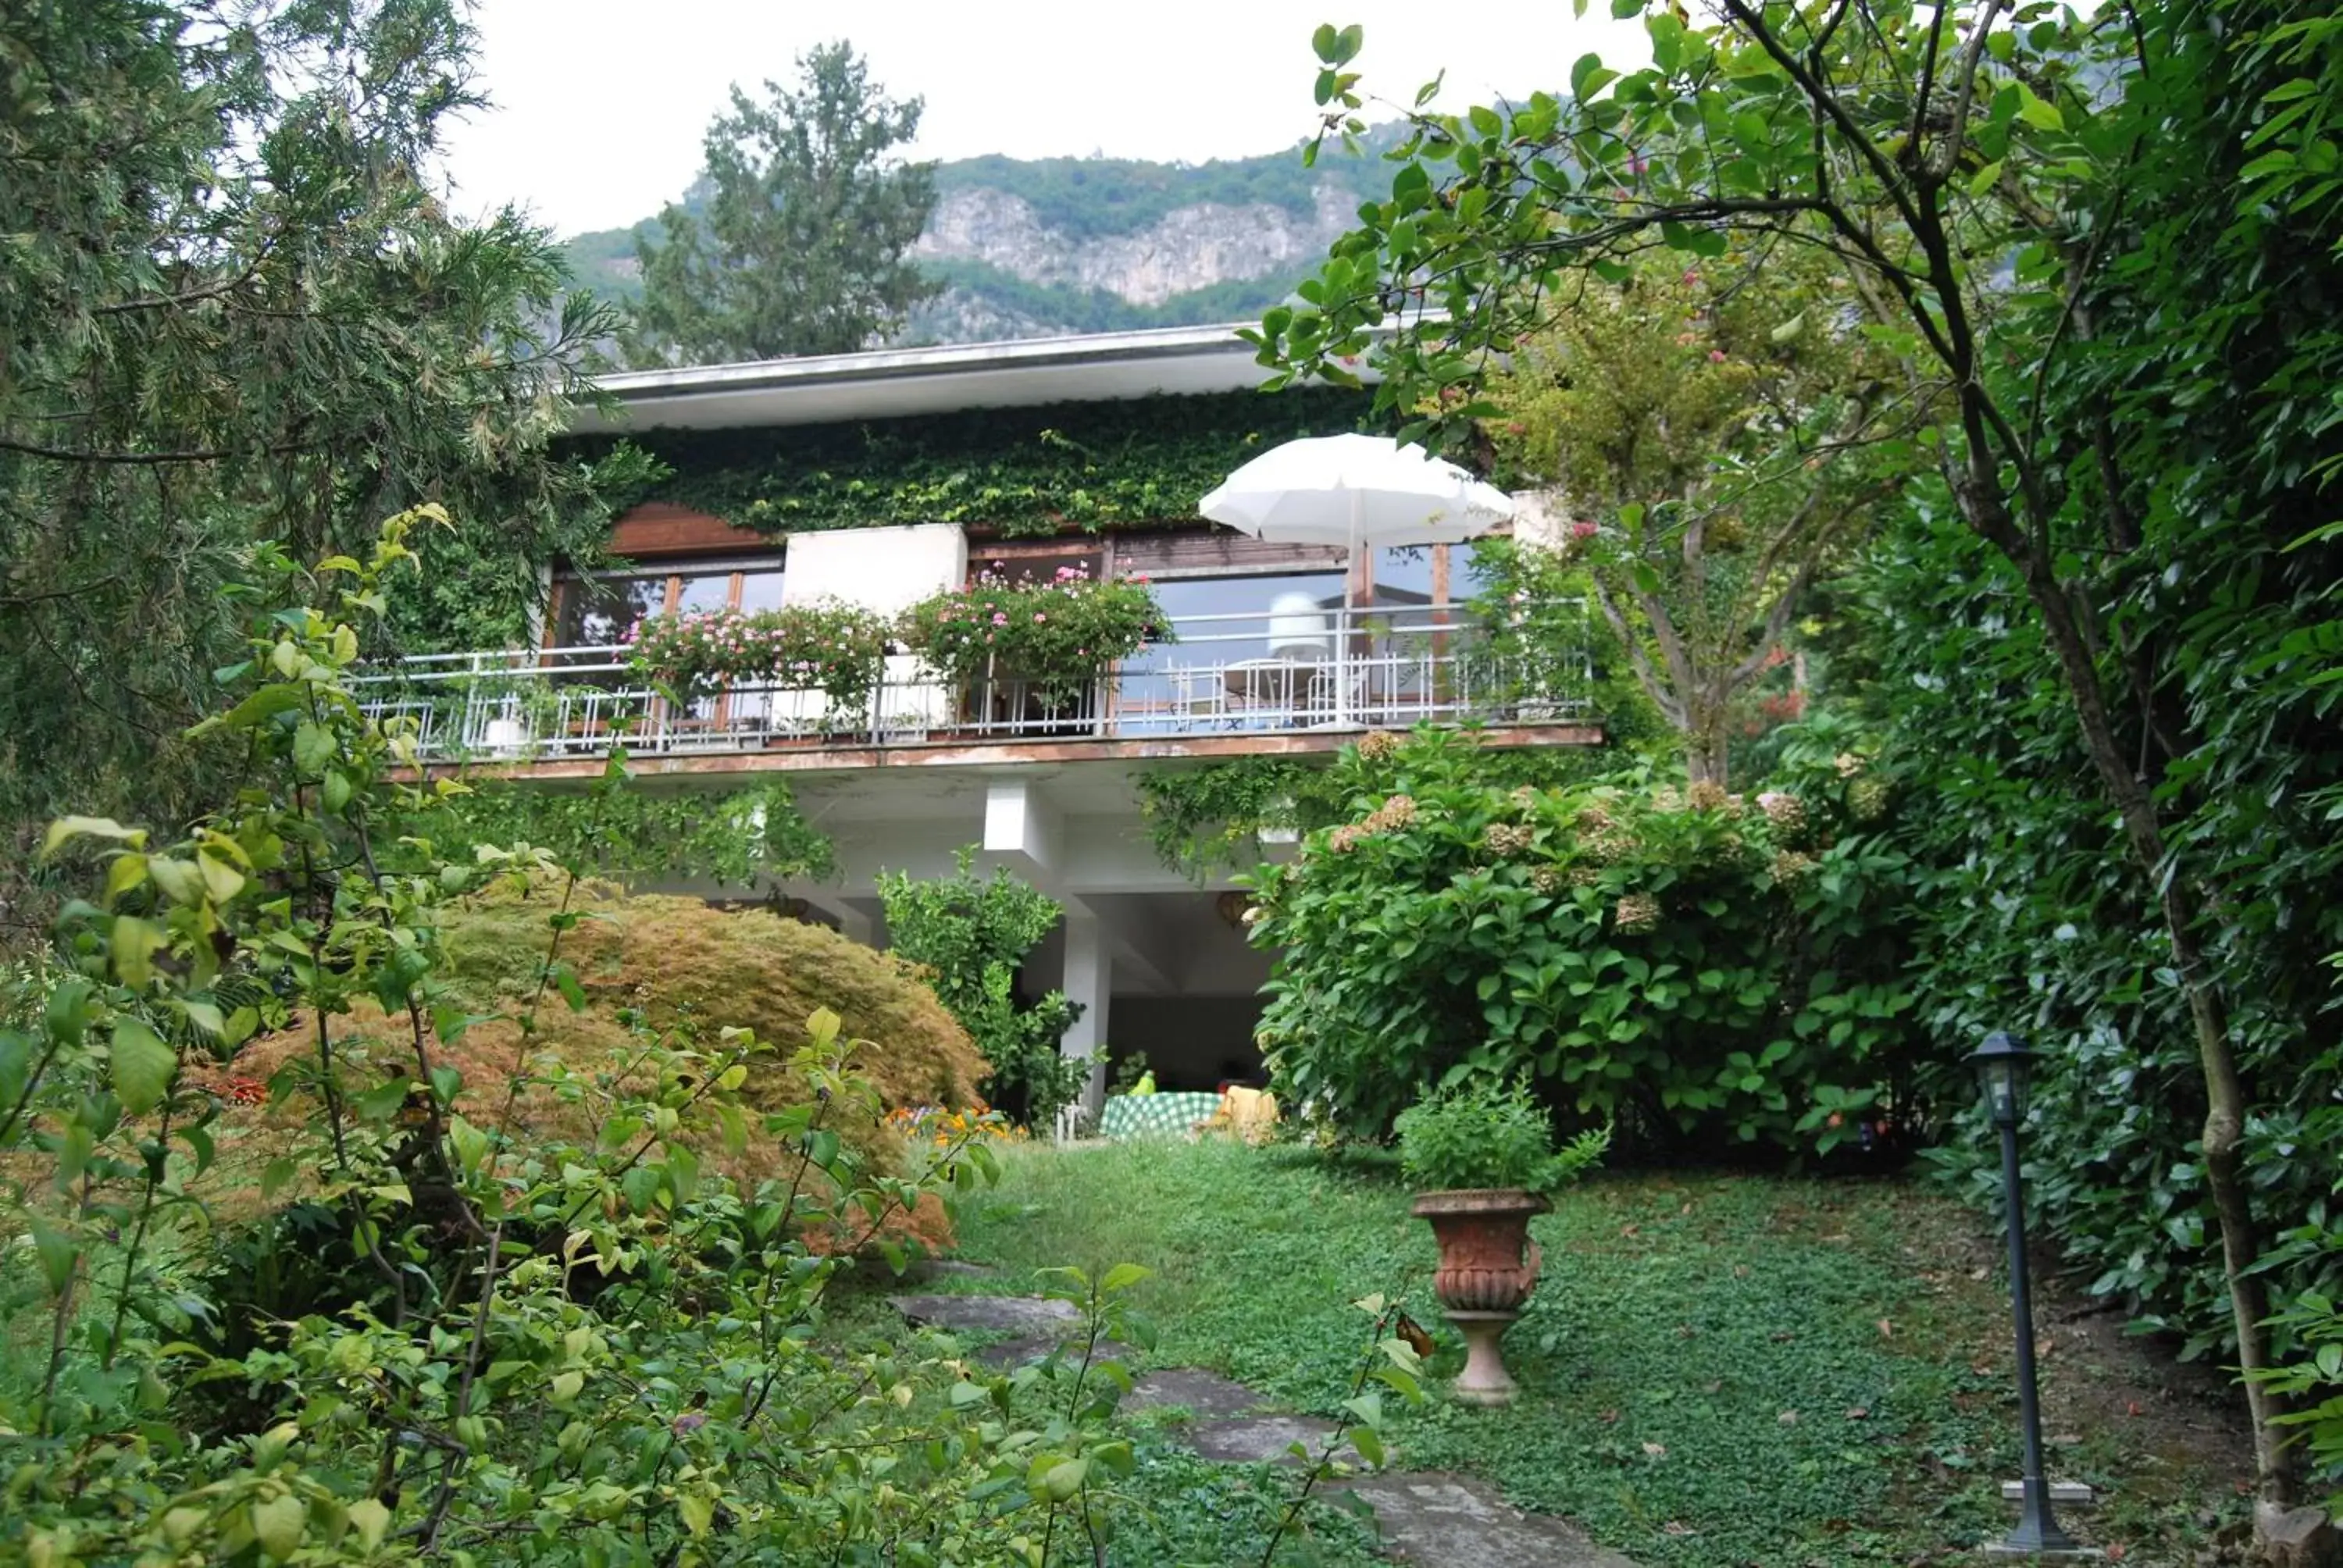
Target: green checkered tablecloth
1155 1115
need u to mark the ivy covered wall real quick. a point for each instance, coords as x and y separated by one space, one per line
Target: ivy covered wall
1012 472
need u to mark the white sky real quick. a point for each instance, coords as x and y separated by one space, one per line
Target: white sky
600 103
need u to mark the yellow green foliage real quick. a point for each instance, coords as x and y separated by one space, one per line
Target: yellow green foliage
681 961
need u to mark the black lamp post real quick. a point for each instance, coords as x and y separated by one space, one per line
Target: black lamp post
2004 1067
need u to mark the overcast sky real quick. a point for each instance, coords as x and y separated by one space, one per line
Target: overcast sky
600 103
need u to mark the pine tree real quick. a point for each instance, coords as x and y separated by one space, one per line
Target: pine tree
799 247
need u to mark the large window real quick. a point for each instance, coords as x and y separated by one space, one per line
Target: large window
596 611
1266 645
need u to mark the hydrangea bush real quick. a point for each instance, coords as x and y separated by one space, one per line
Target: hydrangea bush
1694 963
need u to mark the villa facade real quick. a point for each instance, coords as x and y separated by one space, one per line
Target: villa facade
880 479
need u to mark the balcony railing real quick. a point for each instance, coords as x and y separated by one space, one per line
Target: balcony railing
1224 674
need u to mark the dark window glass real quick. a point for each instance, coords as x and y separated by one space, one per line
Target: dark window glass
1040 568
598 611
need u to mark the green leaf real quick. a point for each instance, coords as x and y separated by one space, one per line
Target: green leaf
313 748
2035 112
140 1066
57 1254
135 943
277 1525
64 829
565 979
1122 1276
1485 120
370 1520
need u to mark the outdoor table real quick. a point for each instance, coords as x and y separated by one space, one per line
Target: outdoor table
1160 1115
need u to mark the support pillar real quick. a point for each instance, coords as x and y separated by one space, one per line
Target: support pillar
1089 981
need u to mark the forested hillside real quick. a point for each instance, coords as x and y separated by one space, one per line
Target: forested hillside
1040 247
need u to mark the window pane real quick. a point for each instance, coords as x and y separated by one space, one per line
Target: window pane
1040 568
760 590
1466 579
1261 637
1403 574
713 592
598 611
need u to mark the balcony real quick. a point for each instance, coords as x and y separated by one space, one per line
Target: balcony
1228 677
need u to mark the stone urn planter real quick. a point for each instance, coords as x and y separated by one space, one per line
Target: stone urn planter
1480 1154
1488 1267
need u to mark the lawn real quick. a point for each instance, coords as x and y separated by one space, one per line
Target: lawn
1717 1369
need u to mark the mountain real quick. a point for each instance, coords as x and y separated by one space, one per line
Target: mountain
1038 247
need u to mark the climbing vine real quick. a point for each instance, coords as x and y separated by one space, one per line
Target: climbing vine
1210 817
1023 471
738 837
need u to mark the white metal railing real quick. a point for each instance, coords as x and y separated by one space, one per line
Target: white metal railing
1254 672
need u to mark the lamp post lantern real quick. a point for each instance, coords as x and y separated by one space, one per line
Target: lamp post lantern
2005 1068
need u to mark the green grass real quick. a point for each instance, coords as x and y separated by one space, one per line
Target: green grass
1716 1369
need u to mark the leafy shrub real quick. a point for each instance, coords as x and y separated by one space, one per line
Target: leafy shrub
969 933
1061 636
1693 963
2029 914
1483 1133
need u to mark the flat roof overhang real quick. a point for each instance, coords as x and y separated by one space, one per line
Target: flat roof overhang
888 384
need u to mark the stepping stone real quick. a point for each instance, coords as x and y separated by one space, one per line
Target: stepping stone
1027 1315
1206 1395
946 1269
1429 1517
1264 1439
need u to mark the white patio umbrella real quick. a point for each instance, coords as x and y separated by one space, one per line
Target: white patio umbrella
1355 491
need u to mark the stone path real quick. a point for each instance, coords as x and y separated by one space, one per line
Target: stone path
1426 1516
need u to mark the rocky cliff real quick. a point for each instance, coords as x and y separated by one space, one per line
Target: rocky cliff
1041 247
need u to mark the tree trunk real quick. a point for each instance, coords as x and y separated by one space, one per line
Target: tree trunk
2225 1094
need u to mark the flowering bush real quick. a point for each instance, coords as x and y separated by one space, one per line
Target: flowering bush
1061 636
1694 963
826 646
943 1127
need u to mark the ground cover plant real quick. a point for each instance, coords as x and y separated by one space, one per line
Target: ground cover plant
1713 1368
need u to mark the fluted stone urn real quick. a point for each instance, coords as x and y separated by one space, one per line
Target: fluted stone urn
1488 1266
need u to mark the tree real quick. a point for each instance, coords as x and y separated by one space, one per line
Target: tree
971 932
235 312
1714 418
1969 165
799 247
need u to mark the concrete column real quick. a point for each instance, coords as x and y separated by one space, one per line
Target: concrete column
1089 981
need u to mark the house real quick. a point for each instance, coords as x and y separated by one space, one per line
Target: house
879 479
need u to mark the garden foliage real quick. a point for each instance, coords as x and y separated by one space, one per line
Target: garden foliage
1695 964
969 934
435 1326
1483 1133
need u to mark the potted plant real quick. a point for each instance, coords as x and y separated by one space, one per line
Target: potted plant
1034 653
834 648
1481 1157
